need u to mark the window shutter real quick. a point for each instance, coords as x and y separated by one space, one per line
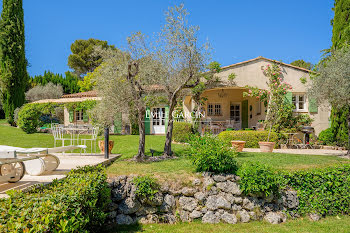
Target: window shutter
148 121
85 116
71 116
313 108
244 114
288 97
166 118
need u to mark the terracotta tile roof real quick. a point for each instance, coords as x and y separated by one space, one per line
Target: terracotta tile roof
81 94
267 59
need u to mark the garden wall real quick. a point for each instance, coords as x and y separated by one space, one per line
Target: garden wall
211 199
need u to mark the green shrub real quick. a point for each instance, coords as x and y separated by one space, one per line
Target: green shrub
30 115
210 154
258 179
182 131
324 190
146 186
326 137
29 118
252 138
75 204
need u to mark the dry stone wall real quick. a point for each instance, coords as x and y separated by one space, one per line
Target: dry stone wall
211 199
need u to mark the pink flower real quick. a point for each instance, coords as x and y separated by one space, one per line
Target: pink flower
250 91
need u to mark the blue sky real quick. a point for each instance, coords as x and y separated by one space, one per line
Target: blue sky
237 30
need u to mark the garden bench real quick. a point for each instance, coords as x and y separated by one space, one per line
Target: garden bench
15 161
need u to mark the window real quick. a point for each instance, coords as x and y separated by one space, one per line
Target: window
214 109
258 107
298 101
235 113
79 115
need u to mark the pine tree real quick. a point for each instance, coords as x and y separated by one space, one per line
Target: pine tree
340 38
13 64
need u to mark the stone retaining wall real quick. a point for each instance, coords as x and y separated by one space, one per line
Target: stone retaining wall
212 199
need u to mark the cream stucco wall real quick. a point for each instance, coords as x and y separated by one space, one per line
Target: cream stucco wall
251 74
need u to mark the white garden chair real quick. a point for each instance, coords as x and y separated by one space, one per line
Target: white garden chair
92 139
58 135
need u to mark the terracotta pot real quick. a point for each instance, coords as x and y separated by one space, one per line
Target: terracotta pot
101 145
266 146
238 145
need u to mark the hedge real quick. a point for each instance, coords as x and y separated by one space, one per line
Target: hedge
74 204
182 131
252 138
325 191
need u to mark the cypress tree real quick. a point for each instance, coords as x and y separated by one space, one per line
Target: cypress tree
13 64
340 38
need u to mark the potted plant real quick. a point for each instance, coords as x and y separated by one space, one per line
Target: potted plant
274 99
101 145
238 145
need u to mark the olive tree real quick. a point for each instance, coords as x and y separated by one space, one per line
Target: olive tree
332 82
184 61
124 78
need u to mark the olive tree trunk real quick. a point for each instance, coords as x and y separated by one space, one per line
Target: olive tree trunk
142 135
169 132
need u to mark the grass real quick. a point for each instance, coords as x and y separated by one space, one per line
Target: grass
301 225
180 169
127 145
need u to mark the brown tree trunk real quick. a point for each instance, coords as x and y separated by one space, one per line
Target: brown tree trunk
169 132
142 135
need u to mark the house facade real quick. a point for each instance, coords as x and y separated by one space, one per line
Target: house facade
225 106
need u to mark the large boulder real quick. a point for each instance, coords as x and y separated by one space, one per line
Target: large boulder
157 199
314 217
168 203
217 202
196 214
222 203
208 181
290 199
233 187
229 218
211 217
129 206
185 216
188 203
219 178
200 196
243 216
275 217
123 219
189 192
249 203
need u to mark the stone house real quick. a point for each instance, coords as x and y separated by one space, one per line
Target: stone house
225 106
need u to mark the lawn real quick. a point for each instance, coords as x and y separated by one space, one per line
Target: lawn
181 168
329 224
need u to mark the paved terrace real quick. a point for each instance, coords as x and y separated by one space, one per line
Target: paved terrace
67 162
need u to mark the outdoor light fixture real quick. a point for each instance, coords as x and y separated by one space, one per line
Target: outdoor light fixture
222 94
